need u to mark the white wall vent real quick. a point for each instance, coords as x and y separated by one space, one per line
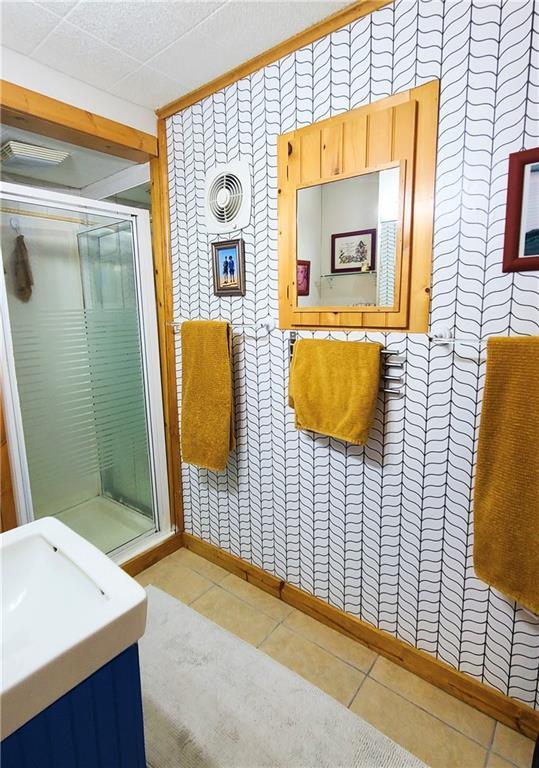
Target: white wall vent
228 197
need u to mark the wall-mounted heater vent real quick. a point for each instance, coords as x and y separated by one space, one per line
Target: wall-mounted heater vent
228 197
18 152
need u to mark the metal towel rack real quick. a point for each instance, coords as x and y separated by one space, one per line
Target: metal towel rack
387 377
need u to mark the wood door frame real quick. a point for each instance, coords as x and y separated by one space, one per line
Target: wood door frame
41 114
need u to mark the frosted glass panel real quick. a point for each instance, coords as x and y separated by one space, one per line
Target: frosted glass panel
78 361
109 295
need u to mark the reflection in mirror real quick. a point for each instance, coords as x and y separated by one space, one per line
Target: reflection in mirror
346 244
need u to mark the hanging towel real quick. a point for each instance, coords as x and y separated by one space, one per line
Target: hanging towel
334 386
207 434
506 495
22 269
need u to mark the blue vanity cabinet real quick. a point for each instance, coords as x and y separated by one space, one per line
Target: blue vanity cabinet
98 724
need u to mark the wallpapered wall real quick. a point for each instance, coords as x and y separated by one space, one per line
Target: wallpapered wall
385 531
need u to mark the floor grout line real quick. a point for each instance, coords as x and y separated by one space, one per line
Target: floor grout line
356 693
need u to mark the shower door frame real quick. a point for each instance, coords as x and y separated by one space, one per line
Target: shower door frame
151 371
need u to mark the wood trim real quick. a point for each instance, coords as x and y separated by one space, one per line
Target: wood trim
514 714
151 556
41 114
8 513
163 291
322 28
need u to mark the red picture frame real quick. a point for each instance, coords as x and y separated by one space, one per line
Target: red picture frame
304 285
513 258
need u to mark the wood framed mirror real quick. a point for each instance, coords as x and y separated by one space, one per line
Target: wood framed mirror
355 208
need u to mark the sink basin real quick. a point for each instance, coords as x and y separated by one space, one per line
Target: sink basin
67 610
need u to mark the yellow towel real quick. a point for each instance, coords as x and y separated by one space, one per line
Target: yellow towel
207 434
334 386
506 495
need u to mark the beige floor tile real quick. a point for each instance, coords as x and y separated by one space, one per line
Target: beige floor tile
432 741
199 564
256 597
313 663
234 614
348 650
495 761
513 746
461 716
172 577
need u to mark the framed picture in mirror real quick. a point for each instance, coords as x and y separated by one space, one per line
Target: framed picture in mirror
353 251
521 244
303 277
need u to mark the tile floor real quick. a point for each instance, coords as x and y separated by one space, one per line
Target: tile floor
441 730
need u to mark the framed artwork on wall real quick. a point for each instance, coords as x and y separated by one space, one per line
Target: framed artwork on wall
228 259
353 251
521 244
303 277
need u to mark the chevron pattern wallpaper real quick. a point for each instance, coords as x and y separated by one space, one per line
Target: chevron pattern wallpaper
382 531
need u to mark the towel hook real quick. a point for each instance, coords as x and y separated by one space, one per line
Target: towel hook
14 224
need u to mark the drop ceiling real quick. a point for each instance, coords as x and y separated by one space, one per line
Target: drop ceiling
152 51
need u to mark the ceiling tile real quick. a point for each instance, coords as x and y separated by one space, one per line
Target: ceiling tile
147 87
195 59
59 7
71 51
253 27
140 29
24 25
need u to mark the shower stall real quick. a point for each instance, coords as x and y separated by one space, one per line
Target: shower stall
80 367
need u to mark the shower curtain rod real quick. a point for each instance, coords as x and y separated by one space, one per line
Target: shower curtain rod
52 216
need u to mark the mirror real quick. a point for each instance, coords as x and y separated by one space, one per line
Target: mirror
347 233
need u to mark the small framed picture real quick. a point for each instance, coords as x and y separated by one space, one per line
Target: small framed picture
353 251
228 259
521 244
303 277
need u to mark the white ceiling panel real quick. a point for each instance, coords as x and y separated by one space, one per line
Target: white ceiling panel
147 87
251 27
59 7
72 51
23 31
212 59
140 29
150 52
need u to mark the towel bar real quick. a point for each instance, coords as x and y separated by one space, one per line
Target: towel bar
268 325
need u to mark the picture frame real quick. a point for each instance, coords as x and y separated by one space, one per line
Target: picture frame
303 277
353 251
521 241
228 263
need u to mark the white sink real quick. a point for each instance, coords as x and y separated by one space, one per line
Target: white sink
67 610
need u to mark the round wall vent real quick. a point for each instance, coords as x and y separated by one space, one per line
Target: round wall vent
228 197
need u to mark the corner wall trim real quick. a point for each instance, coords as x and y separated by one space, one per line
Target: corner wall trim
493 703
322 28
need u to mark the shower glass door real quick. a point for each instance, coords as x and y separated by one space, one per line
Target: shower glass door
79 326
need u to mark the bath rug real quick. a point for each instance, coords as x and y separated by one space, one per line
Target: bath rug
213 701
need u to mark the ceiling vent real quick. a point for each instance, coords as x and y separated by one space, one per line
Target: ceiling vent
228 197
29 154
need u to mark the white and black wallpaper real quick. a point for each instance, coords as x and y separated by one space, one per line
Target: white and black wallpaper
382 531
